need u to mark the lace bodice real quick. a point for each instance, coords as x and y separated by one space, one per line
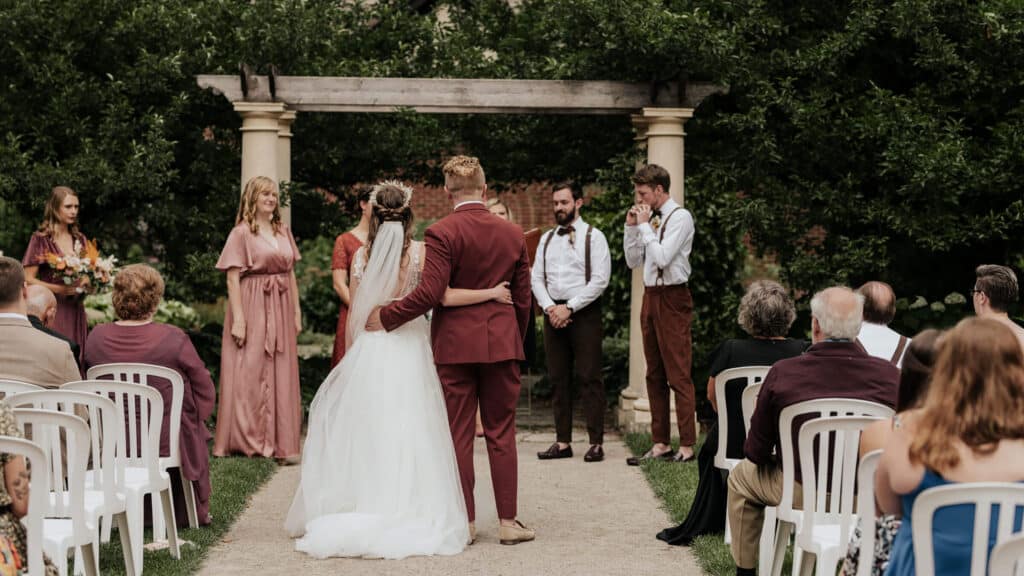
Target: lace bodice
411 271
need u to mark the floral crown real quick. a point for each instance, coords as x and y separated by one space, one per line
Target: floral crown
406 191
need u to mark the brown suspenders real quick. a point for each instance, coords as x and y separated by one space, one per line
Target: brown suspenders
586 264
899 350
661 238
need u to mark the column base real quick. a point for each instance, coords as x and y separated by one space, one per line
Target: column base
633 415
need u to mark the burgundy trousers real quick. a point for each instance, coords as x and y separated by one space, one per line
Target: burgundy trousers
665 323
496 387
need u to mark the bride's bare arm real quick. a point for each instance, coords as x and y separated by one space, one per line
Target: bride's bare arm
465 297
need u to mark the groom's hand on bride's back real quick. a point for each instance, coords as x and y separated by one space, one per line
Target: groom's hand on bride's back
373 323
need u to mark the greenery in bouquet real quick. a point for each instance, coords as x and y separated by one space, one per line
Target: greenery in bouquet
85 267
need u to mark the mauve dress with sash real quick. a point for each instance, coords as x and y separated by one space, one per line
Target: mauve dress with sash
260 410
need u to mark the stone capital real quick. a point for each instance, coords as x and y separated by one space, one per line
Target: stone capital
666 121
260 116
284 124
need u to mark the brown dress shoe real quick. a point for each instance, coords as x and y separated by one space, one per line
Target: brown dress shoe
667 455
554 452
515 534
595 454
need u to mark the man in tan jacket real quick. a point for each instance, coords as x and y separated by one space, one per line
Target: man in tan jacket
27 354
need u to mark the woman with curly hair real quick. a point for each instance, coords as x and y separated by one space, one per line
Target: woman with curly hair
260 410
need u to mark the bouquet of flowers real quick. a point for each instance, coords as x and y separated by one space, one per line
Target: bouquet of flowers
84 264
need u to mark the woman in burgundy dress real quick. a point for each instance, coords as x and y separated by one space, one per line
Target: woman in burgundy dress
345 247
260 410
134 337
58 234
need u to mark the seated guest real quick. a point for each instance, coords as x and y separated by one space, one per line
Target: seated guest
914 377
135 337
833 367
969 429
14 503
42 309
27 354
995 290
766 313
875 335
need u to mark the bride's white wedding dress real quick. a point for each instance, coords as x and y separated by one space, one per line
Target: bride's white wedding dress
379 477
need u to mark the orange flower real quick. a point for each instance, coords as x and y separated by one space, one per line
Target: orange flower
91 251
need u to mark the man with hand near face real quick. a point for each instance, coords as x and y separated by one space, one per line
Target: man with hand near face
569 274
659 236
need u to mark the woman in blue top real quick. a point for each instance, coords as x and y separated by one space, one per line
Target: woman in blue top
970 429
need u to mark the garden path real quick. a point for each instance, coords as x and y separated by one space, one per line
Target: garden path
591 518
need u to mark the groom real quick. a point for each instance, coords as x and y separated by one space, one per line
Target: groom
478 348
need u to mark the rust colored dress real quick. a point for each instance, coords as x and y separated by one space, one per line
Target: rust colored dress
260 410
70 320
345 247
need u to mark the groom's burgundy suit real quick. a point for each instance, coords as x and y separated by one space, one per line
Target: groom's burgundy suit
477 348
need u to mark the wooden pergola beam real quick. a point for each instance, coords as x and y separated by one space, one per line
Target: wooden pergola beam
456 96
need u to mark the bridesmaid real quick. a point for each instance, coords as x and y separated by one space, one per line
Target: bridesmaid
345 247
59 234
260 410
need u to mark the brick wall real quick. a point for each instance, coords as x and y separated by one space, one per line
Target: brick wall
530 204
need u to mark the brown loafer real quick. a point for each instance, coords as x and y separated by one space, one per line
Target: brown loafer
554 452
636 460
510 535
680 458
595 454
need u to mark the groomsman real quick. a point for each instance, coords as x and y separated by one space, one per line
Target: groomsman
570 271
659 236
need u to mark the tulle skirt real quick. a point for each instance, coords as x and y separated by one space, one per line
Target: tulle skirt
379 477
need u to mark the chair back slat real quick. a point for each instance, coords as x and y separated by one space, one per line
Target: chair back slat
750 394
103 440
1006 555
866 510
8 387
38 493
144 374
821 407
65 500
750 375
830 479
1009 496
136 406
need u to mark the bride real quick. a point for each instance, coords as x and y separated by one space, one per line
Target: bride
379 477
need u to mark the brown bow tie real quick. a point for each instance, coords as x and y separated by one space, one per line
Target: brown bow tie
562 230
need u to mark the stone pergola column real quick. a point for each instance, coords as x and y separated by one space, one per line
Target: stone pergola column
260 130
284 157
660 131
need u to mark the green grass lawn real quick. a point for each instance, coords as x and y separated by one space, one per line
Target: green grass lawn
234 480
675 485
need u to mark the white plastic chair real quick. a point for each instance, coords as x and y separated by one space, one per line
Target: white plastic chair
767 543
141 410
38 492
1006 555
8 387
789 519
829 515
66 525
751 375
141 373
104 504
866 510
749 401
983 495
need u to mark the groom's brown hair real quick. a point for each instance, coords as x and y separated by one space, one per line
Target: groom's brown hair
463 174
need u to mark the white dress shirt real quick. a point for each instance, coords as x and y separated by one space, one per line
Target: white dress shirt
880 341
14 315
566 266
644 245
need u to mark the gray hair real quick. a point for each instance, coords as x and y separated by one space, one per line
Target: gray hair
39 300
766 310
839 311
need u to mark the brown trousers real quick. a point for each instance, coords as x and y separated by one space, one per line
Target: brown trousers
665 323
579 343
752 488
495 387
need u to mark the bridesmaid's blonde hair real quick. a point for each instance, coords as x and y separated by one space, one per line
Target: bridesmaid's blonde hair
51 215
247 207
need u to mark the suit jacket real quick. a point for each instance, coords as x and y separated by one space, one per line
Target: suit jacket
75 349
32 356
825 370
470 248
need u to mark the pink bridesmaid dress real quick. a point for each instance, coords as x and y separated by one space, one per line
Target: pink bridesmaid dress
260 409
